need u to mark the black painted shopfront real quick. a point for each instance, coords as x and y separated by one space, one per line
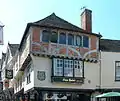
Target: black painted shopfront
55 94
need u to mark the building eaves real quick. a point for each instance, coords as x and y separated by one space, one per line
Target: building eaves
109 45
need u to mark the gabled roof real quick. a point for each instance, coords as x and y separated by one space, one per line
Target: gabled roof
57 22
53 21
110 45
13 48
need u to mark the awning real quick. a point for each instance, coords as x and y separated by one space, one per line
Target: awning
109 94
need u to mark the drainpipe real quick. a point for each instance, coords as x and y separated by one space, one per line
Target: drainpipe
99 52
100 78
100 69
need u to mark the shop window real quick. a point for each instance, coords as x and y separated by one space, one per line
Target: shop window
85 41
70 39
78 40
54 37
117 70
62 38
45 36
67 67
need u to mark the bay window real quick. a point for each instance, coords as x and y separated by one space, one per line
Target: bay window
67 67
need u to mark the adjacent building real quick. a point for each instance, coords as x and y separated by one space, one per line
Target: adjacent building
110 65
7 63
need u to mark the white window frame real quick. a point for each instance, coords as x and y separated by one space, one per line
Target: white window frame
56 67
66 68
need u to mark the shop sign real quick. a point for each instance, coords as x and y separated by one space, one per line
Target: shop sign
41 75
9 74
67 79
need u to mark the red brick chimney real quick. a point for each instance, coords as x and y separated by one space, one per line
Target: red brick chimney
86 20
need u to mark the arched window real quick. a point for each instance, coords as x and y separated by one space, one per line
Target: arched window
45 36
54 37
86 41
62 38
70 39
78 40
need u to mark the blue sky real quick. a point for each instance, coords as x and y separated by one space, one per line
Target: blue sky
15 14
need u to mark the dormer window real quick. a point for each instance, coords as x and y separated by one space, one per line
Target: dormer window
62 38
54 37
86 41
45 36
70 39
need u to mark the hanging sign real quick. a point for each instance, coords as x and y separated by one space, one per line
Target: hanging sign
9 74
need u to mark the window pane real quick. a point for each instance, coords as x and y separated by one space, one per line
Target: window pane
45 36
68 68
54 37
70 39
78 41
62 38
58 67
78 71
85 41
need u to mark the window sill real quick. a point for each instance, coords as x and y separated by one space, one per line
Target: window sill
117 80
65 45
